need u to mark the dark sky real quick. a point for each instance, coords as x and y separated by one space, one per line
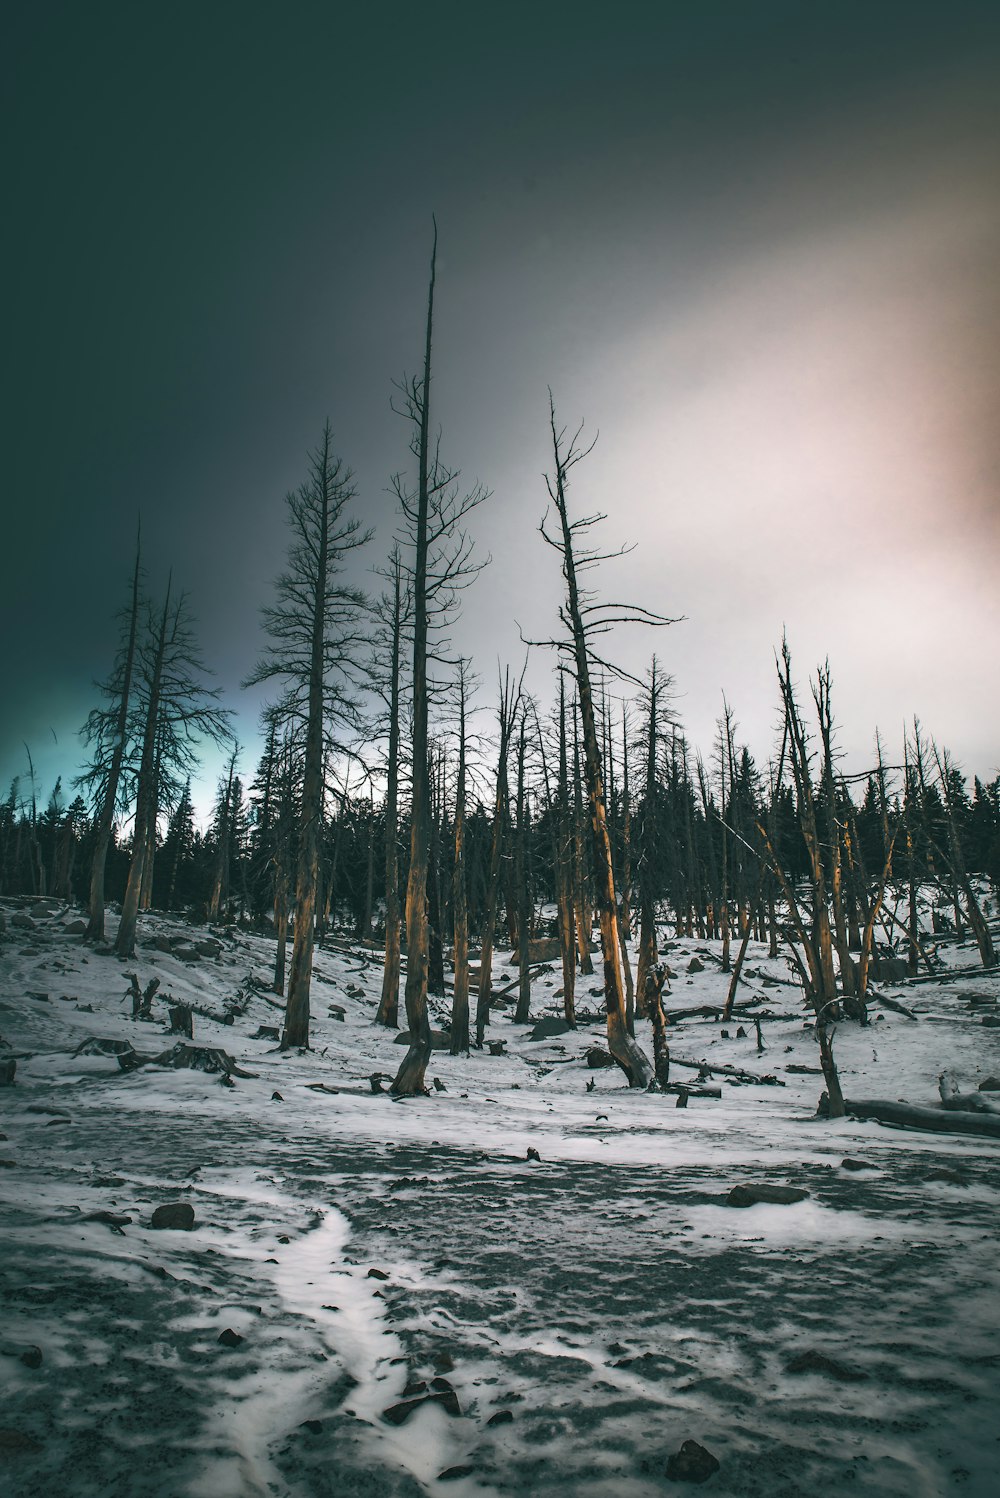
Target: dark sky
755 245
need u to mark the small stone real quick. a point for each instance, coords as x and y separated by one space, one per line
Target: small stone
848 1163
377 1274
276 1097
452 1474
749 1196
693 1463
229 1338
178 1215
502 1417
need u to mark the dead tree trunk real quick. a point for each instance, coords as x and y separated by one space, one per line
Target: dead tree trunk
106 816
509 704
459 897
622 1046
388 1009
145 792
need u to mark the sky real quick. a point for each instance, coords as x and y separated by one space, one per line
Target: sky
754 247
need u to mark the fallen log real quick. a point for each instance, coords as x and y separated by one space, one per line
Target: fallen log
936 1120
882 1001
717 1069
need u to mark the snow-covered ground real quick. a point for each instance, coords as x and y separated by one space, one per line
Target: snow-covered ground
583 1313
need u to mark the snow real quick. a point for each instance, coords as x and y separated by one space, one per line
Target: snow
605 1296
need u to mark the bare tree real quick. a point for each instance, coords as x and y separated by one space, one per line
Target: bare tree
107 729
316 634
584 618
441 567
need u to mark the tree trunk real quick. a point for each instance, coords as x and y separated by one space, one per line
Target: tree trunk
460 899
106 817
145 795
409 1079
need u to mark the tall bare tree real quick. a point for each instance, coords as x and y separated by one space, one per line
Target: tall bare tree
441 567
584 618
316 634
107 729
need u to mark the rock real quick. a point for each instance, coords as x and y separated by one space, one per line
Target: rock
818 1362
15 1440
533 1155
693 1463
377 1274
851 1164
548 1026
749 1196
22 919
208 947
991 1021
440 1393
174 1215
597 1057
541 949
694 966
8 1164
452 1474
276 1097
229 1338
7 1069
30 1356
163 943
314 1427
502 1417
992 1084
440 1039
187 953
75 928
338 1012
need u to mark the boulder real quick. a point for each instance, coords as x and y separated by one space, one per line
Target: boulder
22 919
750 1196
597 1057
992 1084
75 927
692 1463
163 943
207 946
548 1026
177 1215
694 966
